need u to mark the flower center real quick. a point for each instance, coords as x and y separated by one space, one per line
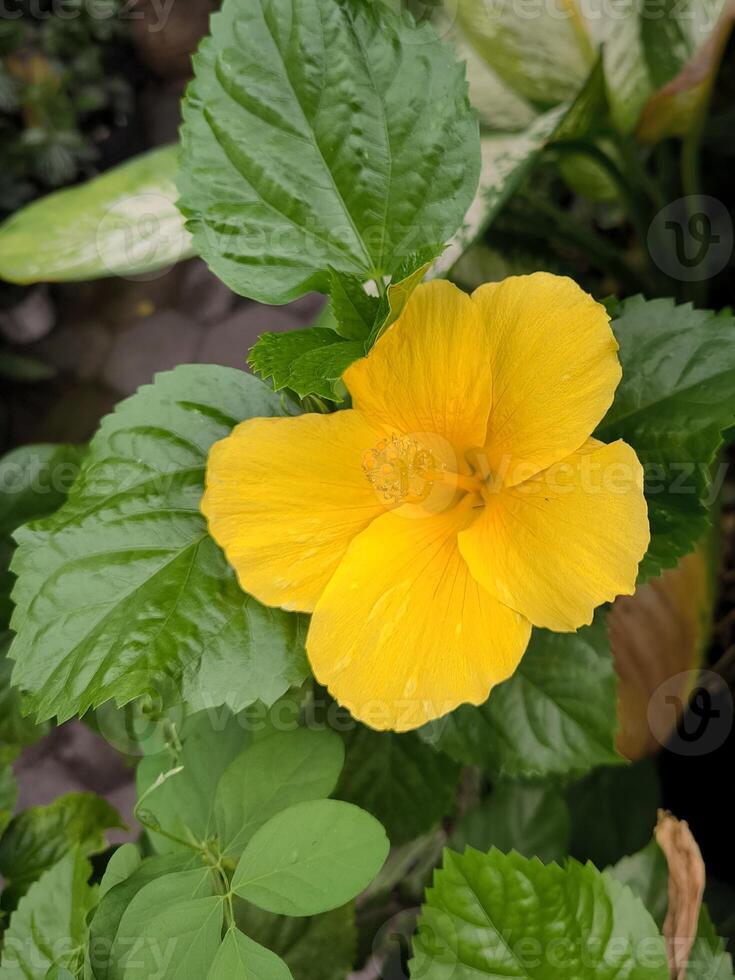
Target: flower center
402 469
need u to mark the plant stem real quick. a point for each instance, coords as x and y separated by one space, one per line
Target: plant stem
380 286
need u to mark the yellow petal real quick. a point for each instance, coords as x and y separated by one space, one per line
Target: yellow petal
430 371
554 367
567 540
403 633
285 497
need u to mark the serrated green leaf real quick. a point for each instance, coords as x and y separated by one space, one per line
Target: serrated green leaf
8 796
34 482
377 176
273 354
309 361
38 837
104 950
555 716
613 812
399 779
240 958
504 915
49 928
354 309
319 371
16 731
123 223
676 397
282 769
709 958
123 589
311 858
533 820
318 948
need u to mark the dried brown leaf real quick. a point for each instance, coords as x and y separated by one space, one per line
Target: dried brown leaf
686 890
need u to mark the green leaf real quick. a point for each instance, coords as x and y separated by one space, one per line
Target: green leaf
34 482
309 361
123 588
676 397
555 716
403 282
545 58
319 371
399 779
8 796
188 933
49 927
312 361
504 915
613 812
647 875
275 773
240 958
311 858
533 820
173 884
698 34
627 76
179 790
322 947
16 731
120 867
39 837
353 308
499 106
376 176
274 354
183 804
123 223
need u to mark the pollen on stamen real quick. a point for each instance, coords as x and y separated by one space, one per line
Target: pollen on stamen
400 468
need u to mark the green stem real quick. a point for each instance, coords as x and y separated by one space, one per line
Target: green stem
380 286
630 153
226 892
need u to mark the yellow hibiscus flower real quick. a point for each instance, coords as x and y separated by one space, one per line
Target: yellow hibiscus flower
459 501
